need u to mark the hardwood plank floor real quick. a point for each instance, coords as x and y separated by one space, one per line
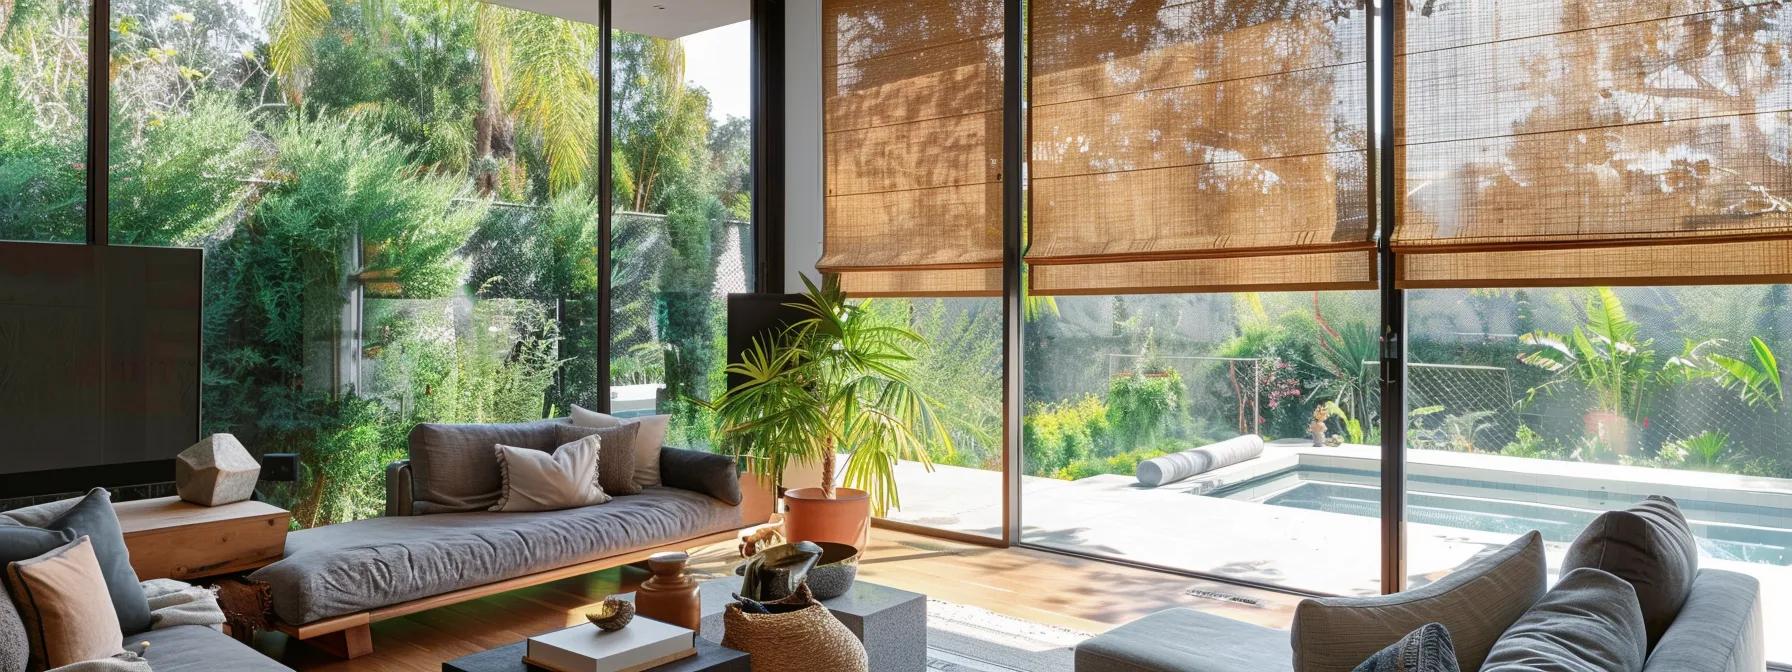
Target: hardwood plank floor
1075 593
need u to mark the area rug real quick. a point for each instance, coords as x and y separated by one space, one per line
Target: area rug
963 638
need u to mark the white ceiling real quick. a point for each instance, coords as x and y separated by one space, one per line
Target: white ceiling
669 19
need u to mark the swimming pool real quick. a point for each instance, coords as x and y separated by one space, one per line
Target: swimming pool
1726 530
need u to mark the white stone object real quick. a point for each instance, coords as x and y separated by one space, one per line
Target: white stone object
216 471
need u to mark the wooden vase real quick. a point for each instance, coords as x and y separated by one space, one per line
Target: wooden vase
670 595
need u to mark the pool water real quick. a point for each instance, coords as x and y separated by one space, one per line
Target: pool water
1718 538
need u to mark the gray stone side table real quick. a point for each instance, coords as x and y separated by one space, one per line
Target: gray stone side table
892 623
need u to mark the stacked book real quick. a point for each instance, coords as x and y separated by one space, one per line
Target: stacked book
643 645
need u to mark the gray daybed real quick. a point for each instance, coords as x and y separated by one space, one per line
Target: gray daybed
437 546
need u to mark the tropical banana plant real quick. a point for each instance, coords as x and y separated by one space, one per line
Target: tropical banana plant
1758 381
1608 359
835 382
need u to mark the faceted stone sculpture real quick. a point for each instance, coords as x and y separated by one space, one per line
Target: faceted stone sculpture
215 471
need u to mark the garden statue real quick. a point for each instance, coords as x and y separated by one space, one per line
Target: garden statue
1317 429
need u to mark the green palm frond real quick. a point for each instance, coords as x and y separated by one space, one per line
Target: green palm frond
554 91
294 26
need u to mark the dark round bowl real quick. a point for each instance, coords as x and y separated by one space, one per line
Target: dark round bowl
831 576
834 573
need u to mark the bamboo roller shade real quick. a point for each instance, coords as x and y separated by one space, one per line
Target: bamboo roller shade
912 124
1554 143
1199 146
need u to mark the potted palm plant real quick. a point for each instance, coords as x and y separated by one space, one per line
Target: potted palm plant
833 385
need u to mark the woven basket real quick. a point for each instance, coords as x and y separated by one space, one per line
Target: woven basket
806 640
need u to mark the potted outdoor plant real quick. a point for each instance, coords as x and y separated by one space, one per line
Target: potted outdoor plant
834 385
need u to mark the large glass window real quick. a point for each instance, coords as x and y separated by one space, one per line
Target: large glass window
1112 381
682 234
43 120
398 207
958 364
1541 408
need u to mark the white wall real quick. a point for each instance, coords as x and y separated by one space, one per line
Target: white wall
802 140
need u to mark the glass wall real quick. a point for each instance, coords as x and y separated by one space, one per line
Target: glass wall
682 236
43 120
1570 402
1115 380
398 211
958 364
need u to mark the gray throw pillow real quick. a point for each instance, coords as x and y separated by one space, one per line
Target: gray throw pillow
18 542
452 465
540 481
616 455
1649 545
1590 622
1426 649
92 516
1476 603
647 443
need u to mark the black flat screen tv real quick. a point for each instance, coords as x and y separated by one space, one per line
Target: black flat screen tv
760 316
99 364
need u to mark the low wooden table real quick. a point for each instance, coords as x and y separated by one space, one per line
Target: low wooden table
172 539
710 657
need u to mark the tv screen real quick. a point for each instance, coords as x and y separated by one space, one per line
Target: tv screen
99 364
760 316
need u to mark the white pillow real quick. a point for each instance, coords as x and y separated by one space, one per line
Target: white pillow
648 440
535 480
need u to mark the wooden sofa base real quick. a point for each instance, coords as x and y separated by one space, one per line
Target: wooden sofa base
350 635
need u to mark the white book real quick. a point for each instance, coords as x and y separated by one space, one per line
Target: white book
645 643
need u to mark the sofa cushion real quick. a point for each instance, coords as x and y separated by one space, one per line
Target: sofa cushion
196 648
1476 603
20 542
1426 649
1720 628
1185 640
697 471
1590 622
1651 546
647 442
62 597
352 567
616 455
538 481
93 516
453 468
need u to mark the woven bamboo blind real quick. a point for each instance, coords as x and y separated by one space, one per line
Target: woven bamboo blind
1576 142
1212 145
912 119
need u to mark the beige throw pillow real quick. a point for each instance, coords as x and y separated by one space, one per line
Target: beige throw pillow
68 614
534 480
651 436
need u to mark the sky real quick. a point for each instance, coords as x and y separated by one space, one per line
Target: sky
718 60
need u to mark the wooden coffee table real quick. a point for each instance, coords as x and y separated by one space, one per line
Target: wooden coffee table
173 539
711 657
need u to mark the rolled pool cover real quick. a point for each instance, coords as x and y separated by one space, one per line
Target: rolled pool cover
1177 466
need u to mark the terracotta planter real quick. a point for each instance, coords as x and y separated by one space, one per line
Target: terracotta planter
810 516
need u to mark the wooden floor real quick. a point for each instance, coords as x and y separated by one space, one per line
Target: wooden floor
1075 593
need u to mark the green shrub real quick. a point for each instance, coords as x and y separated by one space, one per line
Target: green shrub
1143 408
1125 464
1056 435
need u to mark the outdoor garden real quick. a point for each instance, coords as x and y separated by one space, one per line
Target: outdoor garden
398 202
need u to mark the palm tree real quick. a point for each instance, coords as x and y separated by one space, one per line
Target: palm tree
536 70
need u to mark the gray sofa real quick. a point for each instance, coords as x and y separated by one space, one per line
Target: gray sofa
180 648
1718 629
341 577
